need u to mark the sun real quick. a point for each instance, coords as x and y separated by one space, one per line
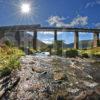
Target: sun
25 8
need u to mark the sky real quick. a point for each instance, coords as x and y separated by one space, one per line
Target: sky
64 13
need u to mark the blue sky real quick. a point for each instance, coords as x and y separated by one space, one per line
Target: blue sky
67 13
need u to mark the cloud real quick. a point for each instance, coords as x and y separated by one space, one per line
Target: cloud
97 25
49 33
92 3
48 41
45 33
57 21
31 33
98 1
79 21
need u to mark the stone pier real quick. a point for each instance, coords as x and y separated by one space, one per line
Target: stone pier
55 35
2 33
76 40
96 39
17 37
35 40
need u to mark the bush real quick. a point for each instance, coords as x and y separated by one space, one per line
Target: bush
8 43
28 50
9 59
32 51
5 71
96 55
13 63
85 55
71 53
94 52
59 52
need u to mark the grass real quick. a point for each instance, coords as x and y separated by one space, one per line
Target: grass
91 52
9 59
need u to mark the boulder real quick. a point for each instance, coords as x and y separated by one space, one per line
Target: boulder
97 90
38 69
59 76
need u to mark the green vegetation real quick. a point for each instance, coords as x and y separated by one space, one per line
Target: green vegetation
56 48
9 59
28 50
58 45
31 50
71 53
94 52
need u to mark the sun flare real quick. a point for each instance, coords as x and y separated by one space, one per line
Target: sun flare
25 8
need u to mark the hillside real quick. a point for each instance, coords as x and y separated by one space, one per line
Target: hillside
26 40
82 44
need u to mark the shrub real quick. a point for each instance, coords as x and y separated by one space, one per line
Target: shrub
32 51
96 55
71 53
94 52
8 43
28 50
13 63
9 59
5 71
59 52
85 55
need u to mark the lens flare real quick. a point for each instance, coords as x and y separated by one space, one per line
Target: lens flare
25 8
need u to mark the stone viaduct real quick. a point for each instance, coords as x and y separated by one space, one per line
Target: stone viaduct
36 28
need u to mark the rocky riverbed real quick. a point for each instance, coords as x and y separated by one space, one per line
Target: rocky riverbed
55 78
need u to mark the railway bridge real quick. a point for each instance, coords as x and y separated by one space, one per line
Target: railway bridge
37 28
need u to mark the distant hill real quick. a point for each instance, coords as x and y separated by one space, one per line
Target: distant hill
26 40
82 44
